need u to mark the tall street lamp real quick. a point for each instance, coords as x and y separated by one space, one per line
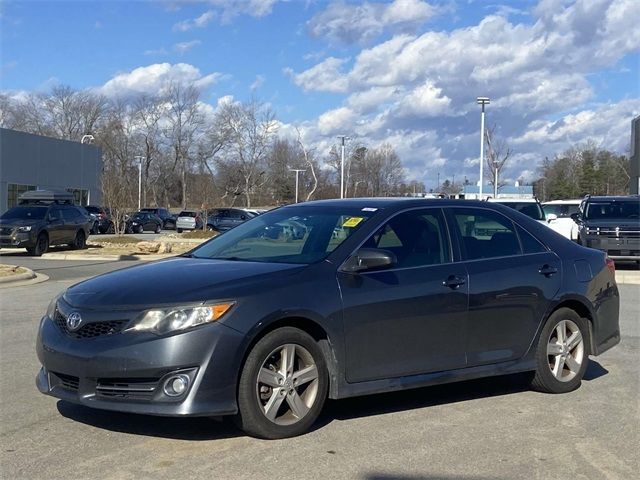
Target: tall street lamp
495 179
481 101
342 140
297 170
139 158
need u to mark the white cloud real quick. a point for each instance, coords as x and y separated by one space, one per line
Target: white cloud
348 23
426 100
198 22
153 79
336 121
184 47
325 76
258 82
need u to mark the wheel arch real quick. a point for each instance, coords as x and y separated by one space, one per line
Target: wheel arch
307 325
581 308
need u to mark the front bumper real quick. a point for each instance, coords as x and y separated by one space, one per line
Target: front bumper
617 248
17 240
126 371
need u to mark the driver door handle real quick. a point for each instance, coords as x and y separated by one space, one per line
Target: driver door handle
547 270
454 281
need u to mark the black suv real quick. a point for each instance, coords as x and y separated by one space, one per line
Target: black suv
44 218
168 220
611 224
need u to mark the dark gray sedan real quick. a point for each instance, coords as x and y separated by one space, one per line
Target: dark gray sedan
376 295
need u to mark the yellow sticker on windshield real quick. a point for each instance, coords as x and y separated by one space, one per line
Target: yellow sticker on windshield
353 222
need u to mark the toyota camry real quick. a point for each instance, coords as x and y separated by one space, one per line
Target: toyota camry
372 295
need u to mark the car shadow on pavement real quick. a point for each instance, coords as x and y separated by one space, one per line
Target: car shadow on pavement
391 476
189 428
594 370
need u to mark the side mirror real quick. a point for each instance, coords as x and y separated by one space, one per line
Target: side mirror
575 217
242 217
370 259
551 217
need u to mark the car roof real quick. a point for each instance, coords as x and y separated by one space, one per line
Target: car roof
563 202
513 200
389 202
613 198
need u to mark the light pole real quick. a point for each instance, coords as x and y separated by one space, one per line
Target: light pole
342 140
481 101
297 170
139 158
495 179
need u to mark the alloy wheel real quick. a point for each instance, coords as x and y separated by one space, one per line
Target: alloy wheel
565 350
287 384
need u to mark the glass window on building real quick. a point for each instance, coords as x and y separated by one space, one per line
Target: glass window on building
14 190
80 195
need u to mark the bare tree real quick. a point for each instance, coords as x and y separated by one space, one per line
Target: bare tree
251 127
308 160
185 121
498 154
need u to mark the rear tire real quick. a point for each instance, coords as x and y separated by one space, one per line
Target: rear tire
42 245
562 354
158 229
283 385
179 230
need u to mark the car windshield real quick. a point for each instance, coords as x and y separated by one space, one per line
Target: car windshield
530 209
561 210
25 213
299 235
625 209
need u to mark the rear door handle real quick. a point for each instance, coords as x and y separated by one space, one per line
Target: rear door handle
454 281
547 270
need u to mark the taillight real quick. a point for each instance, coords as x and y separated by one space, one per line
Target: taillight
611 265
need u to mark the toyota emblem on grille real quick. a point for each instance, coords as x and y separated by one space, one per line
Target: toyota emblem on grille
73 321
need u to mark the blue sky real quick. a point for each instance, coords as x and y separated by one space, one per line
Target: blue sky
402 71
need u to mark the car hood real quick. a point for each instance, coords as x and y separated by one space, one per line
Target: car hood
630 222
178 280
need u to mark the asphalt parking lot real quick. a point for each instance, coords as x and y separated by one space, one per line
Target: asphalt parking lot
483 429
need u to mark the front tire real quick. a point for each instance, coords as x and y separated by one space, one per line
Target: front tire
562 354
42 245
179 230
283 385
80 242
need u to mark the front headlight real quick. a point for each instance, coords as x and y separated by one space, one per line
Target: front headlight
168 320
26 228
51 309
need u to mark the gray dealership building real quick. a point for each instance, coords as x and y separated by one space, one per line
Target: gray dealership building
34 162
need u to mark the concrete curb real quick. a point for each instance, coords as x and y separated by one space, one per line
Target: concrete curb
38 278
28 275
628 277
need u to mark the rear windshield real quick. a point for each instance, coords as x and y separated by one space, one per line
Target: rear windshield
91 209
187 214
625 209
25 213
530 209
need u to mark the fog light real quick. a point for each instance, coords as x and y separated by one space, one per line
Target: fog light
176 385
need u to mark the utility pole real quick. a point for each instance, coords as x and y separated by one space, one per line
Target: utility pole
139 158
495 179
297 170
342 140
438 187
481 101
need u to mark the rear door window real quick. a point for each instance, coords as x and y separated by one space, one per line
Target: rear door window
485 234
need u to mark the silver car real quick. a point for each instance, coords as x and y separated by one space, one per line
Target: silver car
188 220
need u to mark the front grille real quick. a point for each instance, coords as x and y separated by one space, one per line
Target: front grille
127 388
67 381
89 330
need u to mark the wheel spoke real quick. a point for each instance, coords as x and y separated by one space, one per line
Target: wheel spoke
574 340
273 405
561 331
305 375
270 378
558 367
297 405
287 356
554 349
573 365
